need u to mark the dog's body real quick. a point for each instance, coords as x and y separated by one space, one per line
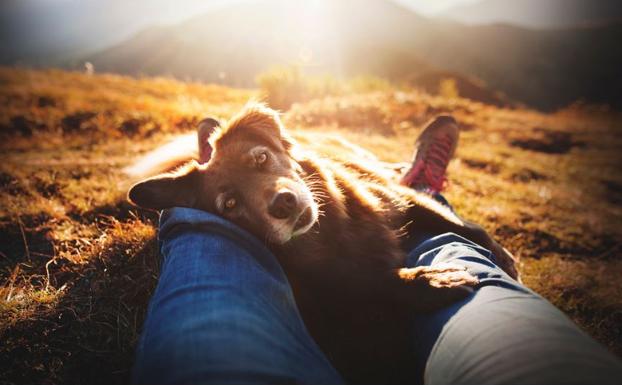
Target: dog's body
337 227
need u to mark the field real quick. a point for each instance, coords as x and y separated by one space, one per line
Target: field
78 264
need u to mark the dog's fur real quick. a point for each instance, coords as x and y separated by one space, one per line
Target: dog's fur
337 232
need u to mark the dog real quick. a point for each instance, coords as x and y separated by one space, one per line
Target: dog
336 225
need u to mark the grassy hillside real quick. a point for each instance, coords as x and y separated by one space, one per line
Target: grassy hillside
77 264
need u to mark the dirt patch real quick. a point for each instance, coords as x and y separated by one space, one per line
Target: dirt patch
491 168
47 188
78 122
131 127
80 173
11 185
535 243
614 191
548 142
527 175
143 127
45 101
20 242
21 125
186 124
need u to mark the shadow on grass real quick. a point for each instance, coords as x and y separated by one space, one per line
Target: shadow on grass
84 329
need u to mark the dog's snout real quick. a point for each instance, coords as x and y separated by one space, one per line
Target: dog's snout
283 205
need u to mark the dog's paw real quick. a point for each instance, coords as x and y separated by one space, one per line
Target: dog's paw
434 287
445 275
448 276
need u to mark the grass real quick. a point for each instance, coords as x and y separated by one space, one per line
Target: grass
78 264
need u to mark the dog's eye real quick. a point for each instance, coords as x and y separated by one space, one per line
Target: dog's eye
230 203
261 158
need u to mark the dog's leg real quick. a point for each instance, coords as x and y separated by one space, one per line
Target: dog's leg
436 219
442 275
427 288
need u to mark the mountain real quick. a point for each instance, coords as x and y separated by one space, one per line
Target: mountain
46 32
341 37
537 13
466 87
546 69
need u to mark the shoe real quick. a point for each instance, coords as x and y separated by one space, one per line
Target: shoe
434 149
206 128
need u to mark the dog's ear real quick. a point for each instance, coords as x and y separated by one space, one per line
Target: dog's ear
206 128
167 190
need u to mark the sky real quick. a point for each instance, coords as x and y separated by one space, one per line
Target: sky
180 9
430 7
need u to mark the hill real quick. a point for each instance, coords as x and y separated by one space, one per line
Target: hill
47 33
78 264
544 14
545 69
438 82
239 41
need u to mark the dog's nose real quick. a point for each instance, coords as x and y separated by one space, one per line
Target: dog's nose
283 205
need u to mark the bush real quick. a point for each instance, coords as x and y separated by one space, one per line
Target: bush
284 86
448 88
365 83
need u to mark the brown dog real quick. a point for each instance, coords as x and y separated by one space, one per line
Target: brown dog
336 227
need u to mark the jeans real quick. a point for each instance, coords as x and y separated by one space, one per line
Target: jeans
223 313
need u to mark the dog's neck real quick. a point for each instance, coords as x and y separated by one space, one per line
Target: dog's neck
321 179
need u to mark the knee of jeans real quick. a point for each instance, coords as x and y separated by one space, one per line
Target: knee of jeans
458 250
425 252
447 238
449 247
477 260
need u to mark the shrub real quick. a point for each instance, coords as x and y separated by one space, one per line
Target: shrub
448 88
284 86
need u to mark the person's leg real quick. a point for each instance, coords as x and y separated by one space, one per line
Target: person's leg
503 333
223 312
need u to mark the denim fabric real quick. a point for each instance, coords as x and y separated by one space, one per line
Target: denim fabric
223 313
503 333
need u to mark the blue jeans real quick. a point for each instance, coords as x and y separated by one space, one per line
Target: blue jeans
223 313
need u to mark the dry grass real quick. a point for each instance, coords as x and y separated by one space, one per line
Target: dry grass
77 264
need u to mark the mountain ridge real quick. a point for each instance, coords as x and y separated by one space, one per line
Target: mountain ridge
539 14
544 69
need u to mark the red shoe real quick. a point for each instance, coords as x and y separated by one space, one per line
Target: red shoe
434 149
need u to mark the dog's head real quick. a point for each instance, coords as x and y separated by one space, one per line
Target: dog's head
251 179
